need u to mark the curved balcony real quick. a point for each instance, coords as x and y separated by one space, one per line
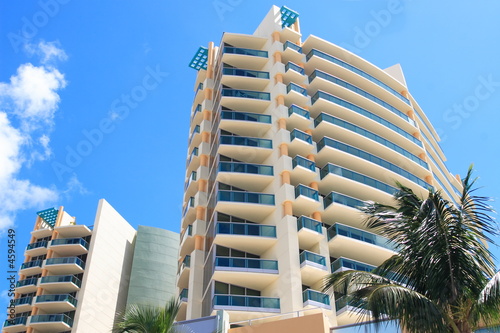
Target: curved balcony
247 205
342 207
309 231
301 143
31 268
26 286
246 303
312 267
60 283
296 94
51 322
193 160
344 264
332 150
254 177
247 237
187 241
355 184
315 299
195 137
73 231
183 296
245 148
65 265
360 245
349 312
303 170
306 200
36 249
326 124
294 72
17 324
242 57
292 52
245 123
298 117
245 100
191 185
23 304
244 78
55 303
69 246
184 270
248 272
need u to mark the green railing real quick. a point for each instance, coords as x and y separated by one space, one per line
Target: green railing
245 72
361 235
256 169
184 294
351 264
307 192
357 177
370 135
250 52
356 70
66 260
26 282
309 223
315 296
244 116
186 262
246 197
247 301
56 298
23 300
312 257
371 158
345 301
50 318
60 279
290 45
15 321
247 263
303 162
245 141
297 68
342 199
37 245
32 263
70 241
298 110
295 87
246 229
366 113
296 134
246 94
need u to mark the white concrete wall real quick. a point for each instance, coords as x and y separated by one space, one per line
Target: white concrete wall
107 272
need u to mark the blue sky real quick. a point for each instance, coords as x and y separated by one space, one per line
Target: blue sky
95 96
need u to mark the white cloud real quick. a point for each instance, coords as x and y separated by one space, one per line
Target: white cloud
75 186
27 107
48 51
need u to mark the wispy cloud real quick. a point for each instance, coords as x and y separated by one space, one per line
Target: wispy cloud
28 103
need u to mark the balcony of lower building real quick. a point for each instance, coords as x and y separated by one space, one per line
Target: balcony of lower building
253 177
245 123
73 231
64 265
341 207
349 311
55 303
244 57
294 73
243 307
315 299
303 170
23 304
360 245
296 94
183 270
309 232
26 286
313 267
187 241
37 248
69 246
32 267
298 117
248 149
244 78
345 264
249 205
301 143
248 237
15 325
245 100
249 272
183 297
292 52
307 200
60 283
50 322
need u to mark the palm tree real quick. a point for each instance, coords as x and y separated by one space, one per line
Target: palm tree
148 319
443 277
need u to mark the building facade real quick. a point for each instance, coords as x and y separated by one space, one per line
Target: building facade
287 138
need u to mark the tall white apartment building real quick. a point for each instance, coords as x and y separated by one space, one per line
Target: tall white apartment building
288 137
